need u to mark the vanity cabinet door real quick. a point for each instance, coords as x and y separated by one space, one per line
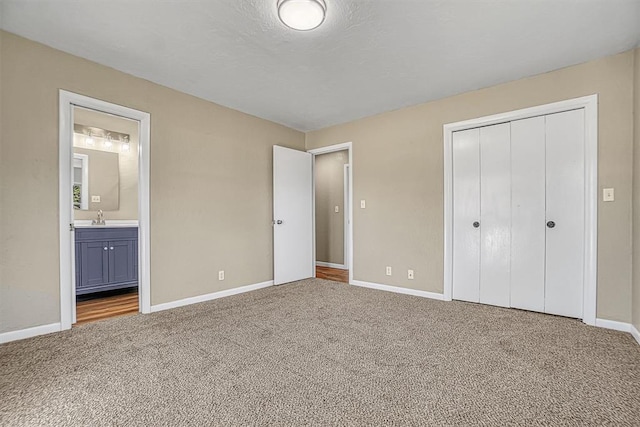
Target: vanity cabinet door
122 265
94 261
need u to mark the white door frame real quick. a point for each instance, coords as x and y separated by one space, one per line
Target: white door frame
590 106
346 213
67 101
348 255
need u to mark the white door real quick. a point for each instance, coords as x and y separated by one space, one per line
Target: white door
528 213
292 215
495 214
565 187
524 180
466 215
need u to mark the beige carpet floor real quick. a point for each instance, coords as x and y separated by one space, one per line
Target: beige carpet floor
323 353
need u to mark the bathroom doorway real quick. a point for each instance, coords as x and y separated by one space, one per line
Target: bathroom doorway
104 210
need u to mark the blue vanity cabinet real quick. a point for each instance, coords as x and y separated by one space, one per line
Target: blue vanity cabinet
94 264
106 259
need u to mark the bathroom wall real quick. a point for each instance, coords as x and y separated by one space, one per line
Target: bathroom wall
329 181
127 163
210 183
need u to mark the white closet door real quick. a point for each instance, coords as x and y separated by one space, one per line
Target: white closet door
495 214
528 213
466 212
565 213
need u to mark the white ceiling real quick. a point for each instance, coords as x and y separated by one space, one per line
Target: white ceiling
368 57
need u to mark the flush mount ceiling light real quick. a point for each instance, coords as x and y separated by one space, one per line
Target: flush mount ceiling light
302 15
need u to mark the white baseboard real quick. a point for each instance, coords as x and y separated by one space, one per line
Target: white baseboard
619 326
29 332
613 324
398 290
635 333
331 265
209 297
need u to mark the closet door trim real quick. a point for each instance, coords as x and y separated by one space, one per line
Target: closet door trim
590 106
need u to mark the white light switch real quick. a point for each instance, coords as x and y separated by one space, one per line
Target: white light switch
337 209
95 199
608 195
363 204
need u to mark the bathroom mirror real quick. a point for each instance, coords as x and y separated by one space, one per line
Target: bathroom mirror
96 180
105 165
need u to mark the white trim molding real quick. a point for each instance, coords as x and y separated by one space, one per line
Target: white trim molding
590 106
619 326
346 214
348 256
398 290
332 265
635 333
29 332
211 296
67 102
613 324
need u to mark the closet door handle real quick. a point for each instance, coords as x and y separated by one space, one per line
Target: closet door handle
476 224
551 224
111 248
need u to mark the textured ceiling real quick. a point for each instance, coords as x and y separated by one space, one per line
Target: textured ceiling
368 57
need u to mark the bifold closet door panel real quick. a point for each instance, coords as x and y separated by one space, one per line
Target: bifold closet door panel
565 213
528 213
466 212
495 214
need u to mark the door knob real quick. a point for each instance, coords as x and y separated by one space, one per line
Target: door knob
111 248
476 224
105 248
279 222
551 224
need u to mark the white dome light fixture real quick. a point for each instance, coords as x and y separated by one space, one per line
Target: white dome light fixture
302 15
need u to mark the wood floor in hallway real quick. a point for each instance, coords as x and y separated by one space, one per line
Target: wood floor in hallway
335 274
103 308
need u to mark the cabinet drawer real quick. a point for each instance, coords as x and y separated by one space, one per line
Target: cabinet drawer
100 234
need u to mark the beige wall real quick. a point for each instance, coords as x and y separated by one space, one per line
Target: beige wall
211 183
398 170
329 171
636 195
104 181
127 163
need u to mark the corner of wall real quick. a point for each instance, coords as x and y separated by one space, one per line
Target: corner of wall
635 316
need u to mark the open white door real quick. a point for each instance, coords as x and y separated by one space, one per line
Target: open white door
292 215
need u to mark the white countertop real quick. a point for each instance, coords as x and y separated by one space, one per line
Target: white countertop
83 223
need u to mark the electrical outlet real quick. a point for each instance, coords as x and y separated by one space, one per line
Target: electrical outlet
388 271
363 204
95 199
410 274
221 275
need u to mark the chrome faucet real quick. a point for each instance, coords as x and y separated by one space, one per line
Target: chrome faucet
100 220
